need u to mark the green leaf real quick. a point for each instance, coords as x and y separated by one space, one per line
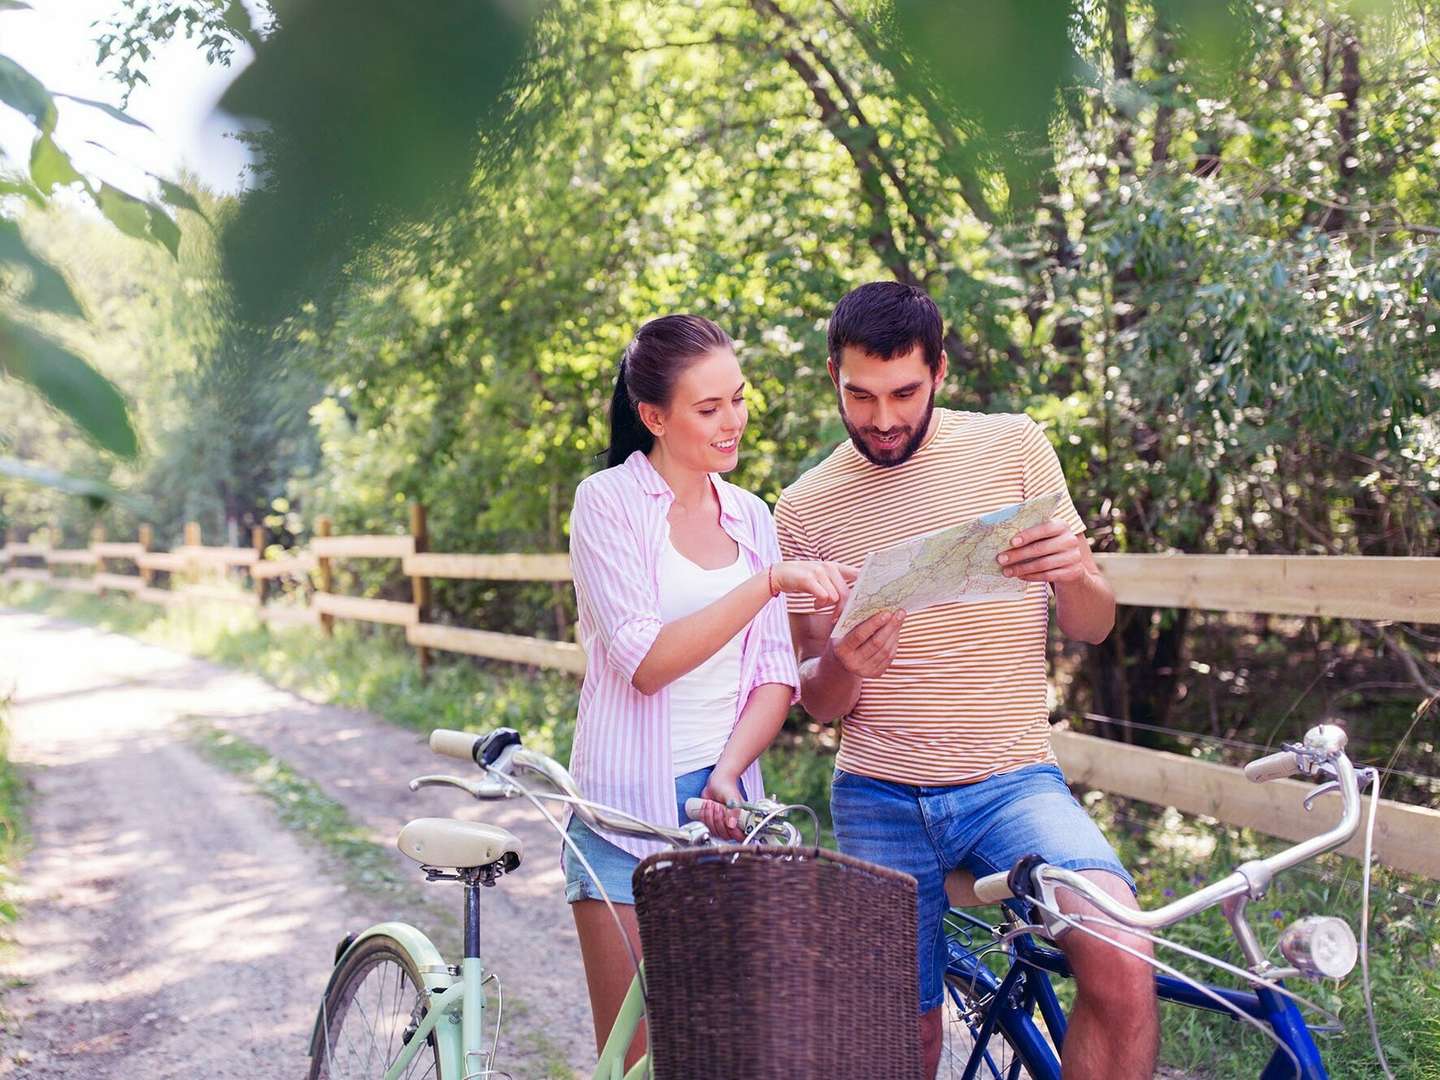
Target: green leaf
178 197
10 186
237 18
14 5
26 94
109 110
164 229
127 213
50 166
48 290
42 476
69 384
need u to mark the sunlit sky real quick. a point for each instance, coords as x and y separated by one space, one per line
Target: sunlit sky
56 43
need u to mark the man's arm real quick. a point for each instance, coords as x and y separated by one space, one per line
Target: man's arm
832 672
1084 601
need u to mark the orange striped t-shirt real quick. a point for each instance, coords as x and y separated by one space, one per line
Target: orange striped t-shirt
965 696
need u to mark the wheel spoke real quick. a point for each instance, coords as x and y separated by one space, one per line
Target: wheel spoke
365 1014
968 1001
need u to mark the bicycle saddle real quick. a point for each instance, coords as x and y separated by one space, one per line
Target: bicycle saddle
459 845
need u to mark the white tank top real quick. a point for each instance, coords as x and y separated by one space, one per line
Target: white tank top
705 703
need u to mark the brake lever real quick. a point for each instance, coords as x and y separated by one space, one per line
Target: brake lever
1324 789
476 789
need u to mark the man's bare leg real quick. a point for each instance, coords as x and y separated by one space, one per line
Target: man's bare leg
1114 1029
932 1040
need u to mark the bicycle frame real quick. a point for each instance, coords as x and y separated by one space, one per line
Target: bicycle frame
1026 986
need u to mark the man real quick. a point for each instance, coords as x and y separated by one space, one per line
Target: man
945 755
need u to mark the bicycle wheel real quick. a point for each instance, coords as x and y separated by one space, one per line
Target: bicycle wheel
1016 1048
375 1001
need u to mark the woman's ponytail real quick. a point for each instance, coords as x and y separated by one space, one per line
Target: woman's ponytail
661 350
628 432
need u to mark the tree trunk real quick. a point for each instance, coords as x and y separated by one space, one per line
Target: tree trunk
1349 124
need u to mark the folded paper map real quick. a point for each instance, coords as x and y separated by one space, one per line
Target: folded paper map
945 566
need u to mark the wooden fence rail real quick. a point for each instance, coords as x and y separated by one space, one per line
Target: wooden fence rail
1398 589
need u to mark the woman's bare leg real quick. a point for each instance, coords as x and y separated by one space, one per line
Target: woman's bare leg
608 967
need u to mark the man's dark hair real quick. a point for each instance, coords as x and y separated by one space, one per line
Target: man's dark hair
887 319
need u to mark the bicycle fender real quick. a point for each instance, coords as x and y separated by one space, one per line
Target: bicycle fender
420 948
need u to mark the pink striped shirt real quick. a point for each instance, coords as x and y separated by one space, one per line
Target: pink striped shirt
621 755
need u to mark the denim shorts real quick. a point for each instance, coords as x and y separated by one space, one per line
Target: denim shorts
615 866
982 827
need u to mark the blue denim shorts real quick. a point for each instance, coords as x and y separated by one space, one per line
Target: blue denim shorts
982 827
615 866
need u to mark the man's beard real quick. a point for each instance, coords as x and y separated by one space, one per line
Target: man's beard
890 458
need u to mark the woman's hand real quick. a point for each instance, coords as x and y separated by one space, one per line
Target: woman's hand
718 818
828 582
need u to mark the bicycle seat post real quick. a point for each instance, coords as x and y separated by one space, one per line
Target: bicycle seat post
472 971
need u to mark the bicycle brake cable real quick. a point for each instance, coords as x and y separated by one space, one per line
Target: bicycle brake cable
1159 965
1365 988
777 812
604 895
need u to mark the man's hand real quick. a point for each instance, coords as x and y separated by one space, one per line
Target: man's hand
867 650
1048 552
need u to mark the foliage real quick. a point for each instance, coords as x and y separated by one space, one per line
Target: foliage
1212 278
221 417
371 115
29 283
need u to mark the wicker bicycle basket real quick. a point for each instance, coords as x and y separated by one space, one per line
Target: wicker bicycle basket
778 964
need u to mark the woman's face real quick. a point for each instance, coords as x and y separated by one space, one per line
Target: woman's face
701 427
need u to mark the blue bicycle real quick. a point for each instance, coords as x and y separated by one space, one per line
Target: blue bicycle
1005 1021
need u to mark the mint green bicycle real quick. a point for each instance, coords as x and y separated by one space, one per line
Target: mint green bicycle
395 1008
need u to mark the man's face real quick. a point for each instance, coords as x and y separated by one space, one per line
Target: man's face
886 404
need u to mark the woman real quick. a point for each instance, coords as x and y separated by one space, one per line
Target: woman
690 664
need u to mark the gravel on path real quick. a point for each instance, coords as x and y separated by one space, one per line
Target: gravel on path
171 927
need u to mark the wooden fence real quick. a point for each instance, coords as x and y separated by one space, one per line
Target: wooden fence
1372 588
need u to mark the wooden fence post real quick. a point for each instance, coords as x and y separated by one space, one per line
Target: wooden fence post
257 541
189 567
147 541
97 536
327 580
420 585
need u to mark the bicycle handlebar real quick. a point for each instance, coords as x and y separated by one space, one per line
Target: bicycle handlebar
1321 752
759 815
456 744
1272 767
501 754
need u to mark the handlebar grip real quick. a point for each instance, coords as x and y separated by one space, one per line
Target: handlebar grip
993 888
692 808
456 744
1272 767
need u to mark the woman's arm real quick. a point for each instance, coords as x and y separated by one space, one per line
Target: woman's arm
686 643
756 729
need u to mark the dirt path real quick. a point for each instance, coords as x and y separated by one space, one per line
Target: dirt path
171 926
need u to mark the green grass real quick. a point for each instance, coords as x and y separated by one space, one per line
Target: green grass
1171 855
306 810
12 819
